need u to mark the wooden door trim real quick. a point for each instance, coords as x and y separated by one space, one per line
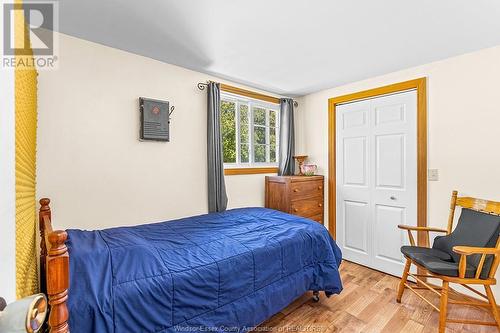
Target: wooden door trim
419 85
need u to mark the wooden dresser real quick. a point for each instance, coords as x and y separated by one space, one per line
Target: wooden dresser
298 195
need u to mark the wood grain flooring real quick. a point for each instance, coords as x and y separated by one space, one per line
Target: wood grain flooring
368 304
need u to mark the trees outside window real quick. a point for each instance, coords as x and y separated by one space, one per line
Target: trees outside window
250 131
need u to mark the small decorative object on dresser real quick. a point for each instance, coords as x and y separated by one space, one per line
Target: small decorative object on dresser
308 169
300 160
298 195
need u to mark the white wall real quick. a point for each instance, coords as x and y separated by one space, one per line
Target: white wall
464 126
90 161
7 187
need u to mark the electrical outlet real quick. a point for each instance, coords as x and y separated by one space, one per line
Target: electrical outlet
433 175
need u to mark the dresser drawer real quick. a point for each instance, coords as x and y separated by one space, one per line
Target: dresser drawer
308 207
307 189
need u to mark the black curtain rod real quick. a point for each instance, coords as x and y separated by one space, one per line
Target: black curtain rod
203 85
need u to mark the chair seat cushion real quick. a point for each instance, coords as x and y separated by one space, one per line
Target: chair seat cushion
436 261
411 251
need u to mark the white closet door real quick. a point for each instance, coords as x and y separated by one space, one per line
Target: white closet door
376 163
353 181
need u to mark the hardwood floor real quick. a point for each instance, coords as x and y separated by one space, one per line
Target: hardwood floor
368 304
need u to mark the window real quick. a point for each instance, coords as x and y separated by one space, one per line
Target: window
250 132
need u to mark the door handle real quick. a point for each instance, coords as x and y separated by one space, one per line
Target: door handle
393 198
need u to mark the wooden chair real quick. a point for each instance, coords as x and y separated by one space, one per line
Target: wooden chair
468 256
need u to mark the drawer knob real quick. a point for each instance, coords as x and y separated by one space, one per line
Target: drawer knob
320 205
296 190
295 210
320 187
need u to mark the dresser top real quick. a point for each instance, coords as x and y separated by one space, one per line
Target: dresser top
295 178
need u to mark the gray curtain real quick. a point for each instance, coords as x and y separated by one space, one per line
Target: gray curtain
287 138
217 198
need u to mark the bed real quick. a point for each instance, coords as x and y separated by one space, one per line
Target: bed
214 272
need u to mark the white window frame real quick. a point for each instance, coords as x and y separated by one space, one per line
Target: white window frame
252 103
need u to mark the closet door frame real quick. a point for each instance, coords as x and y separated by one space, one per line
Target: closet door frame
419 85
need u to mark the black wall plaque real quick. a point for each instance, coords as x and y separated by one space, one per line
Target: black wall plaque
154 119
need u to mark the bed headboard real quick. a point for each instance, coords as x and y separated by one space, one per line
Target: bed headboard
54 269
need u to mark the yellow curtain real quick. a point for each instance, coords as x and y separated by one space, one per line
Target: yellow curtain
26 125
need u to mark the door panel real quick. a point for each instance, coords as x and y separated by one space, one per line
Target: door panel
356 216
387 219
355 161
376 166
389 114
356 219
390 164
355 118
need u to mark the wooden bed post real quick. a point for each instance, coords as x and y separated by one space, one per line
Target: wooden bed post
44 212
54 269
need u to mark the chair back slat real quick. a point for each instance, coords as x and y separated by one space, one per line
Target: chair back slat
451 216
481 205
480 266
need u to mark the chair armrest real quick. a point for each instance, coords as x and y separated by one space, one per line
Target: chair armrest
431 229
468 250
464 251
410 228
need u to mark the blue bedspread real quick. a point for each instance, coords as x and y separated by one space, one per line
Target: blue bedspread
215 272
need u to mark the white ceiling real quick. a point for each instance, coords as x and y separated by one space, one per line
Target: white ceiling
288 47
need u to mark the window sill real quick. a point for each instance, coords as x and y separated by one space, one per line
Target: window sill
249 171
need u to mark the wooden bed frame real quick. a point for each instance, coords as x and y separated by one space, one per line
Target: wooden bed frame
54 269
